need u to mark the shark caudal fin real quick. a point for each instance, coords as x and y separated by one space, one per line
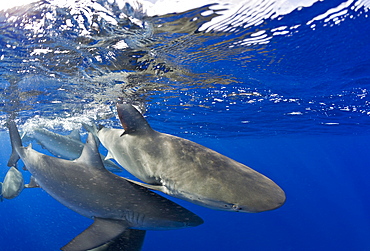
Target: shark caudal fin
16 142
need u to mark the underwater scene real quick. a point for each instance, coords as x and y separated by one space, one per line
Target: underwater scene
184 125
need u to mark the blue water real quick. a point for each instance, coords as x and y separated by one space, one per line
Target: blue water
287 95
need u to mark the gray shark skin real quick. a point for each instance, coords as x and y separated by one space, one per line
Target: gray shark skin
86 187
13 184
66 146
187 170
130 240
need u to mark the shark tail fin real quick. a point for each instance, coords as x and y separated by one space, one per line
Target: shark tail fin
16 142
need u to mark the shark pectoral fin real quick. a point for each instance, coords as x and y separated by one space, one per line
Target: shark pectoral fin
100 232
153 187
130 240
32 183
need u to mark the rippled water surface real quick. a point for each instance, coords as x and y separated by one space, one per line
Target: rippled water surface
304 72
269 83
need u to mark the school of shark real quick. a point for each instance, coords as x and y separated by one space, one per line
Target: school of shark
122 210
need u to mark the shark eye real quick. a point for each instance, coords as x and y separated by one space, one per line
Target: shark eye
236 208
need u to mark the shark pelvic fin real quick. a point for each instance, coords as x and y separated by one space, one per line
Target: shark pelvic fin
100 232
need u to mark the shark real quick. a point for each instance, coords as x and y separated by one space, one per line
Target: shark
184 169
66 146
130 240
84 185
13 184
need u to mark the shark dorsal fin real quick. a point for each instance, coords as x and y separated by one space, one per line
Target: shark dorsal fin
132 120
90 154
75 134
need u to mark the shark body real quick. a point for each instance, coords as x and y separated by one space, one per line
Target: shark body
85 186
185 169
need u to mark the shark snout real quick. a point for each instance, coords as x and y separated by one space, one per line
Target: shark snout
277 200
269 201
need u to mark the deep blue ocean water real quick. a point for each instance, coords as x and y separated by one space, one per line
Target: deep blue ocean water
286 94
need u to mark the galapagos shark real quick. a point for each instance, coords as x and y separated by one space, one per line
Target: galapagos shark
86 187
185 169
13 184
66 146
